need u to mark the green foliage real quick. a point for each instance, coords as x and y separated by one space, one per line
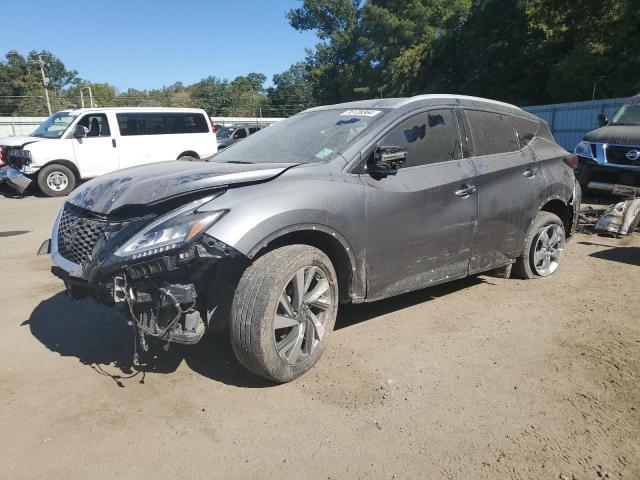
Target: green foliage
521 51
291 92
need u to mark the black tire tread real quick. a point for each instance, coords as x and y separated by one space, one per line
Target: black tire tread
251 299
42 179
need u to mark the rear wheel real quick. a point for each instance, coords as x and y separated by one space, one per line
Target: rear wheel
543 247
283 312
56 180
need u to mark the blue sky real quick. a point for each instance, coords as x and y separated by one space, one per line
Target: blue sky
147 44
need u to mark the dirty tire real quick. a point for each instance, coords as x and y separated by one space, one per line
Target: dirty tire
254 307
65 180
523 268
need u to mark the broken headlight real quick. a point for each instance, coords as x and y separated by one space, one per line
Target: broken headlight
169 232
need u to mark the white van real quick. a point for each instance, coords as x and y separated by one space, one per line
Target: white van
74 145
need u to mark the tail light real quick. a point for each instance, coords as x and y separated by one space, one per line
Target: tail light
571 160
1 156
213 127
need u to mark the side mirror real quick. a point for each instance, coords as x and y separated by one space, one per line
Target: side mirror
386 161
603 120
80 131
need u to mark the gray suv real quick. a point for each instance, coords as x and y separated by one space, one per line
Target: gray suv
345 203
227 136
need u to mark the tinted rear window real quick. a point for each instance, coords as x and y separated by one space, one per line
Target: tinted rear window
161 123
525 128
492 133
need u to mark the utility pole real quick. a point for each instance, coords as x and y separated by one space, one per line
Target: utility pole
81 98
45 83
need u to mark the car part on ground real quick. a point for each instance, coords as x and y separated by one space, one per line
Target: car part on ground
620 219
346 203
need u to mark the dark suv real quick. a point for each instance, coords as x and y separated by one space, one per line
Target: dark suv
344 203
610 156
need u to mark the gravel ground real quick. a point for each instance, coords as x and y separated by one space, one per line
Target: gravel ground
481 378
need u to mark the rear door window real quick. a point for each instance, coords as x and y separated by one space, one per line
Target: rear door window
253 130
525 128
429 137
187 123
492 133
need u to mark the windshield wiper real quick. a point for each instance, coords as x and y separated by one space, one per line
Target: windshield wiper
239 162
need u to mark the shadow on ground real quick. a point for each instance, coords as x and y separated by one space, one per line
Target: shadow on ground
629 255
99 336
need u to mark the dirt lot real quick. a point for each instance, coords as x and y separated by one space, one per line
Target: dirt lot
481 378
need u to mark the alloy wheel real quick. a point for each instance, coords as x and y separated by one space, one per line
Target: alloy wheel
299 323
548 250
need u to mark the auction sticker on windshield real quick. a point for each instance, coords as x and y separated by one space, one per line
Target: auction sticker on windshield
362 113
325 152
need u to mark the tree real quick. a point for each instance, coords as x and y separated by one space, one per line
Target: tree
21 86
291 92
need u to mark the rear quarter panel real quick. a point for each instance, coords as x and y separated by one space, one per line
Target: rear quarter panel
559 177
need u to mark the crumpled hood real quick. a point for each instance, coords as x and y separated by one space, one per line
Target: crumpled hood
148 184
18 141
622 135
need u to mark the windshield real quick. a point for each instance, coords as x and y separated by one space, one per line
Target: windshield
305 138
629 114
54 126
225 132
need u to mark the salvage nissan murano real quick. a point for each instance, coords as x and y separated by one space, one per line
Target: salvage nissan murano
344 203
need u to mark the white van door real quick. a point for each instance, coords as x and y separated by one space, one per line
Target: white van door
96 152
133 144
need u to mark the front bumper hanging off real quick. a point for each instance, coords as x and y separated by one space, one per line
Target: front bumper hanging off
14 178
169 296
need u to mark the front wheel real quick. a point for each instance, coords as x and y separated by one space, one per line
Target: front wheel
56 180
543 247
283 312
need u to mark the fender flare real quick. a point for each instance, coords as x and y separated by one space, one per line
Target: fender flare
357 290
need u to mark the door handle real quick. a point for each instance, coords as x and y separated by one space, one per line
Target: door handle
530 172
466 190
113 142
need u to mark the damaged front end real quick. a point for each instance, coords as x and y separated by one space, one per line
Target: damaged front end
160 267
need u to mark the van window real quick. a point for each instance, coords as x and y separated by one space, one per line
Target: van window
253 130
129 124
429 137
525 128
492 133
154 124
240 133
96 124
186 123
161 123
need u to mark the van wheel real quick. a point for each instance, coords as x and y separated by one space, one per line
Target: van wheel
283 312
543 247
56 180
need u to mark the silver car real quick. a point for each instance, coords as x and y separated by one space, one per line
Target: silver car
345 203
